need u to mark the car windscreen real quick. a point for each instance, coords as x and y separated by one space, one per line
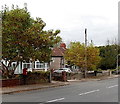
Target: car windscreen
60 69
65 69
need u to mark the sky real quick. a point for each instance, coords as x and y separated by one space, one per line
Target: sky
100 17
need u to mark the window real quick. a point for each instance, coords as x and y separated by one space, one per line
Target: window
61 69
27 65
39 65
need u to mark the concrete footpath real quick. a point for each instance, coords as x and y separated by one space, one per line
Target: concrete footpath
16 89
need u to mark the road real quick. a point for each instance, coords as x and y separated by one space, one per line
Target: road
91 91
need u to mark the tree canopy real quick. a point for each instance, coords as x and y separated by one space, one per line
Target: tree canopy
108 54
75 55
23 38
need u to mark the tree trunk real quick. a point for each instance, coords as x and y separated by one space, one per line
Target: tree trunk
7 72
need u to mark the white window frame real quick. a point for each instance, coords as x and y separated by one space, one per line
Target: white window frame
30 65
42 65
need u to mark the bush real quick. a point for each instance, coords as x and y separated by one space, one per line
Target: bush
38 76
113 69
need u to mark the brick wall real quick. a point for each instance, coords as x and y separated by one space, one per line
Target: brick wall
11 82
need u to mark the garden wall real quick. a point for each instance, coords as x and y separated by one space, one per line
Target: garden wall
10 82
31 78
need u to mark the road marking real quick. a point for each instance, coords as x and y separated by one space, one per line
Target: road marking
89 92
55 100
112 86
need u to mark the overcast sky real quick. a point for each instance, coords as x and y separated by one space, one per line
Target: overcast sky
100 17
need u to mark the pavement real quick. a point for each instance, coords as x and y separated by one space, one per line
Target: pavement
21 88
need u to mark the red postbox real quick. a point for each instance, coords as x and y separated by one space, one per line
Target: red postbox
25 71
24 75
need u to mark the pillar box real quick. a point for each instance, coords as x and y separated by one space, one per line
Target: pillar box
25 71
24 75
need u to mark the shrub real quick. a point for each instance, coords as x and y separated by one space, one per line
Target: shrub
38 76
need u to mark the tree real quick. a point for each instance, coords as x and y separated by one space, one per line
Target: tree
75 55
24 39
108 54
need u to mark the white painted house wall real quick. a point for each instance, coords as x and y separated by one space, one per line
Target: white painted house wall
35 65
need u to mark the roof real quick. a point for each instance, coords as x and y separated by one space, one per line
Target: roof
58 51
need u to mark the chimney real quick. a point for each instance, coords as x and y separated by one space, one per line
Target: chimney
63 45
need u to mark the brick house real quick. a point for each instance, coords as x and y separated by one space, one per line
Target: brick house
57 57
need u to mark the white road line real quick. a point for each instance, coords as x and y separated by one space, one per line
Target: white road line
89 92
112 86
55 100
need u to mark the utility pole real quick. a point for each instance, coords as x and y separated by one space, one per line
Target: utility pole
25 6
85 53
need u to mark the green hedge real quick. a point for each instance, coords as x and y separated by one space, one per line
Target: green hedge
38 77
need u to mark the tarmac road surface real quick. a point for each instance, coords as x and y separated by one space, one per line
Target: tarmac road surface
91 91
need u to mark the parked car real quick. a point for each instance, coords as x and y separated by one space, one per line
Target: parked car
62 69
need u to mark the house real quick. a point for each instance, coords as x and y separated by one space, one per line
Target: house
57 57
29 65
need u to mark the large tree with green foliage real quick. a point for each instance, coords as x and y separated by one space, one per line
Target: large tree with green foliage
23 38
75 55
108 54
